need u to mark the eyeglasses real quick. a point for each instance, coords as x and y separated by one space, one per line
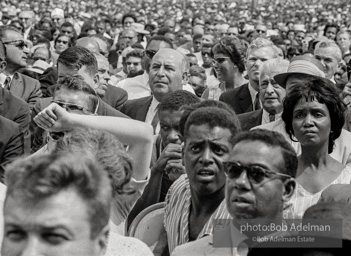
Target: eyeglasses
219 60
56 19
20 44
255 174
205 53
150 53
70 107
63 42
261 31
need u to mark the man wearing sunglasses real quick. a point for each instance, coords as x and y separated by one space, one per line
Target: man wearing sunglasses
27 18
260 178
17 52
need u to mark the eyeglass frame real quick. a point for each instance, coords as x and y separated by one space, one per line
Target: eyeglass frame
247 168
83 109
22 42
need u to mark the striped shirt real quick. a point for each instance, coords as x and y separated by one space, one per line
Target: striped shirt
177 210
302 199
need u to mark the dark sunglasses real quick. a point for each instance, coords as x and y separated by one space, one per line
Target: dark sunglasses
205 53
219 60
38 58
60 41
20 44
261 31
255 174
150 53
70 107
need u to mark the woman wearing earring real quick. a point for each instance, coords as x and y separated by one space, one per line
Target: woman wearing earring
314 115
228 64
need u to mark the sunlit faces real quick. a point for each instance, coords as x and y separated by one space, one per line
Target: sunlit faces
198 84
327 57
166 72
331 33
133 64
254 61
300 35
205 151
271 93
62 43
55 226
343 40
169 127
17 53
68 31
311 123
264 200
197 43
224 67
128 22
26 19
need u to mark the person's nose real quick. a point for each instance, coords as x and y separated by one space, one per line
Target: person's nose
161 71
242 181
308 120
270 89
206 156
31 248
173 136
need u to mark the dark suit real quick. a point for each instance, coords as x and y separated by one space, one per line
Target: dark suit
15 109
137 109
26 88
250 119
239 99
114 96
11 143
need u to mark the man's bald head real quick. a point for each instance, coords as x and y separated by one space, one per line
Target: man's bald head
168 72
89 44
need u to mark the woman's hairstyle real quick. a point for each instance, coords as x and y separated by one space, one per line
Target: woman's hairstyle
232 47
332 25
70 43
324 92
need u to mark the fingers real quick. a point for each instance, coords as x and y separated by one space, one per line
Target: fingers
45 120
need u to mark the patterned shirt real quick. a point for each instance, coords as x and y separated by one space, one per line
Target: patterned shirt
177 210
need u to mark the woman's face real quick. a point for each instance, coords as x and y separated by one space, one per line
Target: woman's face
55 34
331 33
311 123
223 66
61 43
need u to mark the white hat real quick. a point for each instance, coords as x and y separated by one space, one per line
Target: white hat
140 28
58 12
39 66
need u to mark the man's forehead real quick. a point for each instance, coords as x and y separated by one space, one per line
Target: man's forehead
11 35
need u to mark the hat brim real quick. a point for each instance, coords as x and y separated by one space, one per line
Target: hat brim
141 31
281 78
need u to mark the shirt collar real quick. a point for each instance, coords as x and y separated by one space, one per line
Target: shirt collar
253 93
3 78
265 116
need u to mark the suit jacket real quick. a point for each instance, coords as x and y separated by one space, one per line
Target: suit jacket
115 97
26 88
250 119
15 109
11 143
239 99
137 109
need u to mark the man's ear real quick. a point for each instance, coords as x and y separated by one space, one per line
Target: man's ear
3 65
185 78
289 188
102 240
96 80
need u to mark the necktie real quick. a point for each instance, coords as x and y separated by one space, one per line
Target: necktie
7 83
155 120
271 118
257 104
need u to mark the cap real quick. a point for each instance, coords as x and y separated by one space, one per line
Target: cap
58 12
303 65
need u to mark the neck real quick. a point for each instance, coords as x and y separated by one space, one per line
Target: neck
9 70
254 84
206 204
314 156
275 110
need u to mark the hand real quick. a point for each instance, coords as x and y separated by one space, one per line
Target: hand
174 169
172 151
346 93
53 118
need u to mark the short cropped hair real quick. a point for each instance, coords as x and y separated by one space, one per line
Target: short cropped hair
330 44
138 53
160 38
77 83
273 139
232 47
213 117
41 177
4 29
77 57
175 100
261 43
324 92
198 72
107 150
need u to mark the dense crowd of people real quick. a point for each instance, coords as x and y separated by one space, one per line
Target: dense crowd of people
228 114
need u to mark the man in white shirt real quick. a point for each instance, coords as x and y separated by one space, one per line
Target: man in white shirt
27 18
